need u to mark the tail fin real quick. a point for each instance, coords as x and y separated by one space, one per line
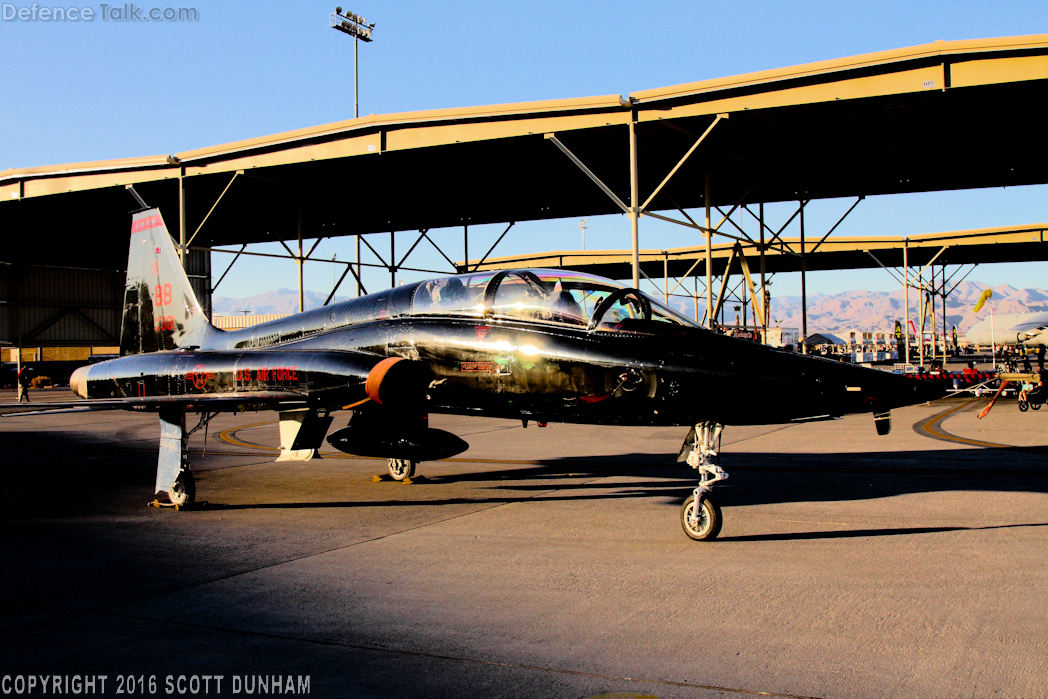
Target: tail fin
161 312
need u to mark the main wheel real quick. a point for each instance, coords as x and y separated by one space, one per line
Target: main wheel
1023 406
183 493
400 469
1036 406
709 524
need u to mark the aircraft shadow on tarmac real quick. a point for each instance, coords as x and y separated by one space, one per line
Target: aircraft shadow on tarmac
756 478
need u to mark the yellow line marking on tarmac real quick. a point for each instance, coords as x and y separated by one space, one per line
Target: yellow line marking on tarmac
226 436
931 427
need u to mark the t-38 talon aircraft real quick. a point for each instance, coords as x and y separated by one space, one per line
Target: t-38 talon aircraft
530 344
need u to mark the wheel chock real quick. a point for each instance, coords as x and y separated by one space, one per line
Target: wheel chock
198 505
407 481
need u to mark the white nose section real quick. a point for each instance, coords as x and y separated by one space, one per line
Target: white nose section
78 381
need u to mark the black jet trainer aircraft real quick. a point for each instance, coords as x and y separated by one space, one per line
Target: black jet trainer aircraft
529 344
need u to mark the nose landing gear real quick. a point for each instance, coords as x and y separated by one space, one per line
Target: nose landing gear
701 516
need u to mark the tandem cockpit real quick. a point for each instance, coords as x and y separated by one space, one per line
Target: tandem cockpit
555 297
560 297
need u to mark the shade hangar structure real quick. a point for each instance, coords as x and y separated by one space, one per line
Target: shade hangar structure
946 115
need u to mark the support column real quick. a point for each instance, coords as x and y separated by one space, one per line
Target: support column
634 211
804 290
465 244
944 295
666 276
357 260
301 288
923 312
392 261
16 283
182 216
709 256
906 295
764 291
695 298
935 340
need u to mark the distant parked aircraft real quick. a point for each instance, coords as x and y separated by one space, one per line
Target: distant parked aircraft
1027 329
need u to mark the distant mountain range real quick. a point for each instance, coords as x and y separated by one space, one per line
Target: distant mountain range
281 301
836 313
878 310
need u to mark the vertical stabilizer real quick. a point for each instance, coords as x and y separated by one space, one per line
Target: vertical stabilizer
161 312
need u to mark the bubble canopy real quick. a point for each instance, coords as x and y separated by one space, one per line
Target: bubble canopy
561 297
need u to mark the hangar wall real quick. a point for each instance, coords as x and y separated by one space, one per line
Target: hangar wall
44 304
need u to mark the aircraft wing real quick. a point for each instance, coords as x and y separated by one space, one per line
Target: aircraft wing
1032 327
198 403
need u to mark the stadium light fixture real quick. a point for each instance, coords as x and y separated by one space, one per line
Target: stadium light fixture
357 27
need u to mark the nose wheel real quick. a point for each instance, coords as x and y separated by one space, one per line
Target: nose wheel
702 523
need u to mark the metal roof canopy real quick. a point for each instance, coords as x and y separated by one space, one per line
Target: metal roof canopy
925 118
977 246
947 115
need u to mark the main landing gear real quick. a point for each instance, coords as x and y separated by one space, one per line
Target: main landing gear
701 516
173 476
401 469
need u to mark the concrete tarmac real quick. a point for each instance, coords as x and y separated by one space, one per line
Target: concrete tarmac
543 562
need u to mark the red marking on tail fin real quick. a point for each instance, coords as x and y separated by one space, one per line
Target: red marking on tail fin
147 222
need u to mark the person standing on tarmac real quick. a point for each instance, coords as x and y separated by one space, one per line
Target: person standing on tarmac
23 384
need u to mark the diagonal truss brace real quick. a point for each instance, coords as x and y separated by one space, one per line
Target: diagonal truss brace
680 163
589 173
214 206
737 251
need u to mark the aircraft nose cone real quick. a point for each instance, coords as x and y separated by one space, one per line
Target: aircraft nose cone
932 390
78 381
905 390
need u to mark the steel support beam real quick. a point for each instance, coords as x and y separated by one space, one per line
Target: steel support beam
680 163
360 285
492 248
839 222
709 255
301 264
242 247
634 211
804 288
765 296
552 138
182 243
906 294
214 206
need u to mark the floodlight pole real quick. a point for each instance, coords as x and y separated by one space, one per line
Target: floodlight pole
358 28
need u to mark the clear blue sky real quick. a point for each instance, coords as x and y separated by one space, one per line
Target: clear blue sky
96 90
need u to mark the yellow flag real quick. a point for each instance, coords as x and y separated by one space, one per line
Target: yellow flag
982 299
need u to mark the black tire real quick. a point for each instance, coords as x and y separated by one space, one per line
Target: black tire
1023 406
710 519
1036 406
399 469
183 493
